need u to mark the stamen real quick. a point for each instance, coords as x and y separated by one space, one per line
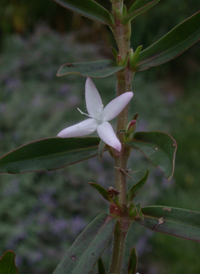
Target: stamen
84 113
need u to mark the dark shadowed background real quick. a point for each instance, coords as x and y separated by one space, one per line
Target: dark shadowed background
42 213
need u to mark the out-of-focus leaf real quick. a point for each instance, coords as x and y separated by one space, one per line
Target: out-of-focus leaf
102 191
101 267
88 247
158 147
101 148
7 263
133 192
172 44
132 264
87 8
174 221
137 8
49 154
96 69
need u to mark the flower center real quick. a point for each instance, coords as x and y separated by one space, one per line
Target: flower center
99 120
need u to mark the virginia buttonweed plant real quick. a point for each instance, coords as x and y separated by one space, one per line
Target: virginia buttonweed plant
69 147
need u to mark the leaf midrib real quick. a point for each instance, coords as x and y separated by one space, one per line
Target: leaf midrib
164 52
49 155
99 231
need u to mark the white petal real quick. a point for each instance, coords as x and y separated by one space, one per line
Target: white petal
93 100
107 134
115 106
86 127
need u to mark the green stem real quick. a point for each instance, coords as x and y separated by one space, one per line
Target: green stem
121 229
124 80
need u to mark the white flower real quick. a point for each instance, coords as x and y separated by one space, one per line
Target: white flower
98 116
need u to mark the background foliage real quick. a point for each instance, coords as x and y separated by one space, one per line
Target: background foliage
41 214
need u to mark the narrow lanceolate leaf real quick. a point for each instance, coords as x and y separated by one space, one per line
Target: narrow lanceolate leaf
96 69
132 264
172 44
158 147
102 191
7 263
137 8
49 154
101 267
174 221
88 247
133 192
87 8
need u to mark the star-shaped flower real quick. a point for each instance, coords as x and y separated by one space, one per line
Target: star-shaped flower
98 116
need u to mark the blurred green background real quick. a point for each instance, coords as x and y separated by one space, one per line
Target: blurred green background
42 213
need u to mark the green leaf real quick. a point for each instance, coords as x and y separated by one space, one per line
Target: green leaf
137 8
96 69
172 44
133 192
101 148
49 154
134 210
102 191
87 8
7 263
158 147
135 56
115 53
174 221
101 268
132 265
88 247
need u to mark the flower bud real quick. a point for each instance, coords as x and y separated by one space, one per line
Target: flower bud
131 126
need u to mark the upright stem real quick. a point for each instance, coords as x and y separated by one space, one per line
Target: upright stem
121 159
121 229
124 79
